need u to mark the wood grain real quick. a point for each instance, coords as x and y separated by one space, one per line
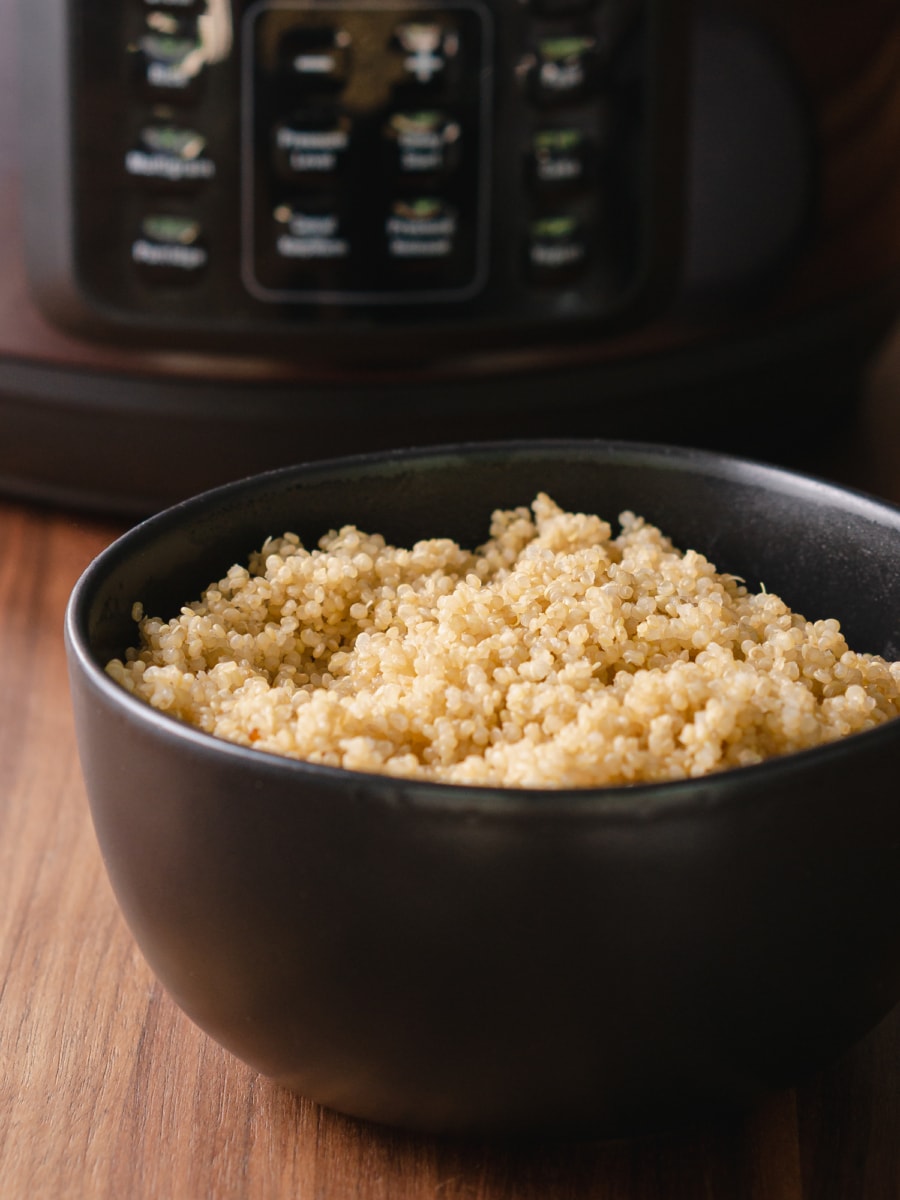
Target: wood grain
107 1090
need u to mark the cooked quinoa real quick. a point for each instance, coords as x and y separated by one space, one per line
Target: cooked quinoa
555 655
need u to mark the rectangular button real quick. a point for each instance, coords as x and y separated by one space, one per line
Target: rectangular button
311 236
423 143
169 248
420 229
311 146
316 58
560 158
565 69
557 248
427 49
170 156
172 66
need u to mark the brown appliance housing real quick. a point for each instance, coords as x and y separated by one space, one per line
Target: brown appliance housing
237 235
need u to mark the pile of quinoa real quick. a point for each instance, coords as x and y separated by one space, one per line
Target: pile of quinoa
555 655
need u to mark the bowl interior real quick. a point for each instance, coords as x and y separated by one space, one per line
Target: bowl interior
828 552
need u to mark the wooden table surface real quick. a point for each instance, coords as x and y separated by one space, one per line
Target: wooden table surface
107 1090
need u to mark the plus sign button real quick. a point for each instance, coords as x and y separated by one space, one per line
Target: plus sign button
427 49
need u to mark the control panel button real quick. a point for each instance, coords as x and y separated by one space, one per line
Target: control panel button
557 248
169 248
421 229
560 158
423 143
311 146
172 65
564 69
170 155
309 234
427 50
316 58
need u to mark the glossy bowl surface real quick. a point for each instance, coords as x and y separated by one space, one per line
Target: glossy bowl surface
481 959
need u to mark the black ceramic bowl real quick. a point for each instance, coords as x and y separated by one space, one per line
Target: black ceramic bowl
475 959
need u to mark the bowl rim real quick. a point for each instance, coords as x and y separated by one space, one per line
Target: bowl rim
625 802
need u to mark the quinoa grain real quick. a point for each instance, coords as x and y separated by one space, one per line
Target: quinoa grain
555 655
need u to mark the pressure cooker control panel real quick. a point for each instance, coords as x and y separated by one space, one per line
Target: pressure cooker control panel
301 170
366 152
